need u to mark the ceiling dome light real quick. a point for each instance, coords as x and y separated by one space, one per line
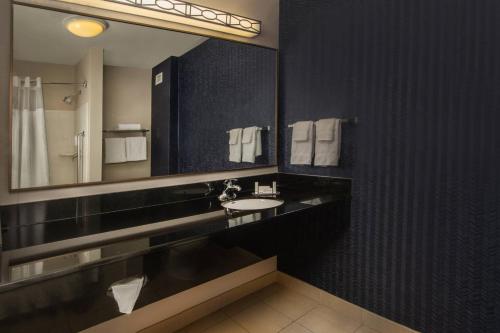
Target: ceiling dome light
85 27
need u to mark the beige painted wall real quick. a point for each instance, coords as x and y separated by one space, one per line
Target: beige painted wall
265 10
127 99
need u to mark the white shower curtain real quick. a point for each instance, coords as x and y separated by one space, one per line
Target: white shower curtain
30 163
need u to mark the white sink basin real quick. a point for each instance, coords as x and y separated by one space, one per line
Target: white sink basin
252 204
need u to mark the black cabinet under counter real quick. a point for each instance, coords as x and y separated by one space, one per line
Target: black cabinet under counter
59 267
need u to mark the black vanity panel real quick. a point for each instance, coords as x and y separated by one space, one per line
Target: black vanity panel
79 300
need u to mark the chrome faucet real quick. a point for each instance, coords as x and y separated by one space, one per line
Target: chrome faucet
230 190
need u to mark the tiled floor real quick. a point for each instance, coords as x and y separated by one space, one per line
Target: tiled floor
276 309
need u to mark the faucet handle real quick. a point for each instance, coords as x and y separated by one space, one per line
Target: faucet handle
230 181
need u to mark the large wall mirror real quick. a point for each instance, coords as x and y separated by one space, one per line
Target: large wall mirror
133 102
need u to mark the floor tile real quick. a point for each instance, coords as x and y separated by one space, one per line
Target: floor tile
204 323
325 320
292 304
250 300
295 328
365 329
227 326
261 318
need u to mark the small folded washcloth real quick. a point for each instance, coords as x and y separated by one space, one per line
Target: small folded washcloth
133 127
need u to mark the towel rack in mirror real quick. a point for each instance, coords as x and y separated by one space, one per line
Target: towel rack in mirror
116 131
267 128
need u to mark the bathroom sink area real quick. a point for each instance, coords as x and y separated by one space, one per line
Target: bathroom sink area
252 204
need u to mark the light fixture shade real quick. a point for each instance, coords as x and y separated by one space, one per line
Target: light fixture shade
182 12
84 26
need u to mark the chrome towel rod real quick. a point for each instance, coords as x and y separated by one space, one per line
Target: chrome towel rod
267 128
83 84
343 121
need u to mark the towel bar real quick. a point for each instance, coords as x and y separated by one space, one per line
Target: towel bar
343 121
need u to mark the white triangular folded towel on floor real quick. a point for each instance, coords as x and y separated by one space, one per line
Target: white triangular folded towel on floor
235 145
126 293
302 143
328 142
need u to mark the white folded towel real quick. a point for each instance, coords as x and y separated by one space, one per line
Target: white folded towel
258 142
235 145
129 127
302 143
251 144
301 130
126 293
328 141
114 150
136 148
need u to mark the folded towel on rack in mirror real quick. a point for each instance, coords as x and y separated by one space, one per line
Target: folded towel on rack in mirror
251 144
129 127
136 148
302 143
114 150
328 142
235 145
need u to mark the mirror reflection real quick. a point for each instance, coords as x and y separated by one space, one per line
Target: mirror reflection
97 100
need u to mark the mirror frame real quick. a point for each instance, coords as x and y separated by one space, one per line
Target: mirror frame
79 9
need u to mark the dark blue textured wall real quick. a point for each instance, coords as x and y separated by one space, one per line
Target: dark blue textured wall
224 85
423 247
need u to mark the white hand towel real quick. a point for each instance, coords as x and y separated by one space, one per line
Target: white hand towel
301 130
249 143
126 294
325 129
302 143
328 141
114 149
235 145
136 148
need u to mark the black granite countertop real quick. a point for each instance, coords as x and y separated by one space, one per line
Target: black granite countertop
29 225
167 218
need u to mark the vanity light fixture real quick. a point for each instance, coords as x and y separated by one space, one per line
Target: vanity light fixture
183 12
85 27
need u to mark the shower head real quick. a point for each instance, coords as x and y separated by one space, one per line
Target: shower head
69 99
